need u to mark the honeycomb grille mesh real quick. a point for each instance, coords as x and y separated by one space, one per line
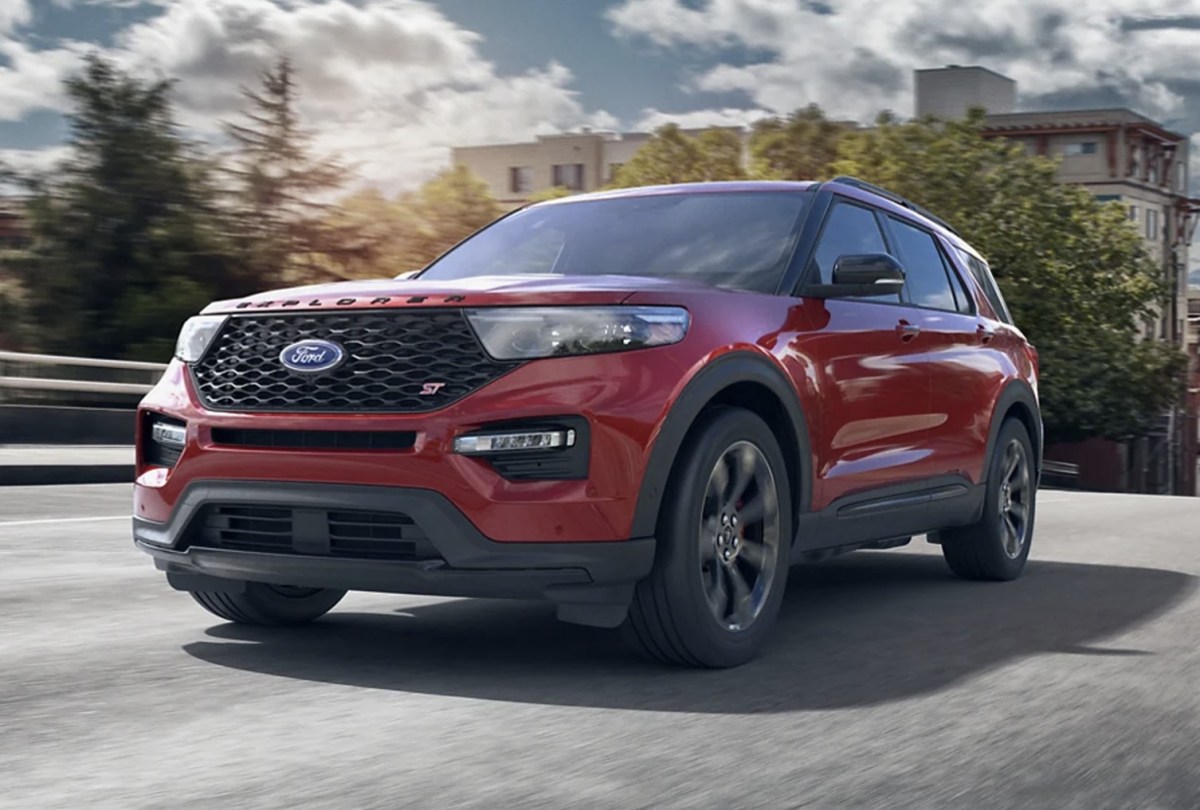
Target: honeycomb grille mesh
391 357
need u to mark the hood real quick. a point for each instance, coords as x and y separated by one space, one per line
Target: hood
480 291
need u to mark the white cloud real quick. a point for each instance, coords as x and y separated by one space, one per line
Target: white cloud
32 161
651 118
389 85
13 14
855 57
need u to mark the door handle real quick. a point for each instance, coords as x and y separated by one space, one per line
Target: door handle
907 331
985 333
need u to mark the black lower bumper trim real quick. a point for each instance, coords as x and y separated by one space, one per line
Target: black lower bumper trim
592 582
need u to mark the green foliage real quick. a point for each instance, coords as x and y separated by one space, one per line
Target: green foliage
284 231
408 233
127 240
800 147
672 156
1074 272
552 193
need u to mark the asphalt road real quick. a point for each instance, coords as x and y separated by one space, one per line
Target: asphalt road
890 684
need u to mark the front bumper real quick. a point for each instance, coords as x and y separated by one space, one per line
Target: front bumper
590 582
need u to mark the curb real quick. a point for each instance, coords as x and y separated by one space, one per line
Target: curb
49 474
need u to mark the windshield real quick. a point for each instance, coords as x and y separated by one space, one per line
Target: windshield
727 239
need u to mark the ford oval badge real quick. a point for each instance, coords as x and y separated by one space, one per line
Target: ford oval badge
311 356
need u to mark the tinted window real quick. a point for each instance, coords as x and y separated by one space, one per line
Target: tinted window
966 304
738 240
925 271
987 283
849 230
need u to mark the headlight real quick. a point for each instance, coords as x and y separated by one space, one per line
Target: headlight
196 335
523 333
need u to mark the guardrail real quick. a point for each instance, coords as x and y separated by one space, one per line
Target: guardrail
56 379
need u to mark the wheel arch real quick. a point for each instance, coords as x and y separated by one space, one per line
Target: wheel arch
1016 400
743 380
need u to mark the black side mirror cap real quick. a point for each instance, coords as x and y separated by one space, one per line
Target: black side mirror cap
861 276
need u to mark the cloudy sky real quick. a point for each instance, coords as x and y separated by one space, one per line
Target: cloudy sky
391 84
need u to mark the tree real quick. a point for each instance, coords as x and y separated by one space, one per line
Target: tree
447 209
799 147
672 156
126 239
409 232
552 193
1074 272
285 230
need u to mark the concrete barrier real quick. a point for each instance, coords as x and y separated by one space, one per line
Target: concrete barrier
42 424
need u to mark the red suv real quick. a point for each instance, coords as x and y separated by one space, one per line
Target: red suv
641 405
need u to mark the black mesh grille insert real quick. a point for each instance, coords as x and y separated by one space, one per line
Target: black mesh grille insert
397 362
281 530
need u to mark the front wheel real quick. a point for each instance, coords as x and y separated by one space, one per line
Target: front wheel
996 547
724 536
270 605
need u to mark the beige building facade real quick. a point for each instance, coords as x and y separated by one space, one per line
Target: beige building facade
579 162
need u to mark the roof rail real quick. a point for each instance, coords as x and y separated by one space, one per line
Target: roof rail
892 196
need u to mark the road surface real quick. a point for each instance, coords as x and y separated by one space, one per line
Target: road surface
890 684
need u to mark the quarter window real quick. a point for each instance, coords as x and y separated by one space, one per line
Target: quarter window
987 283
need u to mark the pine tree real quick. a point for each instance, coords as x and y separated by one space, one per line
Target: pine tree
285 228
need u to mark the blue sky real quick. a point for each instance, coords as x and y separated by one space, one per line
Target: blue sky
392 84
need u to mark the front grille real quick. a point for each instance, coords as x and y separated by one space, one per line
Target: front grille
397 362
312 532
315 439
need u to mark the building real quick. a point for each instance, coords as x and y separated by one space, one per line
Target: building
579 161
951 92
1119 156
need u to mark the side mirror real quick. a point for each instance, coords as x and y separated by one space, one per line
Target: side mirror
861 276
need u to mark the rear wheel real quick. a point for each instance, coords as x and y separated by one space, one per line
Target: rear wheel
996 547
723 541
272 605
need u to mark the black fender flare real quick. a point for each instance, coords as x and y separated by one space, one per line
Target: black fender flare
730 369
1016 391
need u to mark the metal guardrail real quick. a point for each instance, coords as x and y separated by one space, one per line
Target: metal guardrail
56 378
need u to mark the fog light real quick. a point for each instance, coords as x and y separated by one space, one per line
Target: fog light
487 443
168 435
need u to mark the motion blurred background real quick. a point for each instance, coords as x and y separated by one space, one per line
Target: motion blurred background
159 154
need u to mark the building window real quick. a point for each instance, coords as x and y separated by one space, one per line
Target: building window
1083 148
1152 224
1133 213
520 179
568 175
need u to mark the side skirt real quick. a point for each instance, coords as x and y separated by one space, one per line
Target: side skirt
887 517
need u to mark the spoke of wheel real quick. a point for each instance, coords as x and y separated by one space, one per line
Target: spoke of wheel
716 592
744 464
1012 540
762 507
754 553
1019 510
708 534
718 484
741 603
1012 460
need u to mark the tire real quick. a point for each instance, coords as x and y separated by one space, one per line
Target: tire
996 547
688 611
269 605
